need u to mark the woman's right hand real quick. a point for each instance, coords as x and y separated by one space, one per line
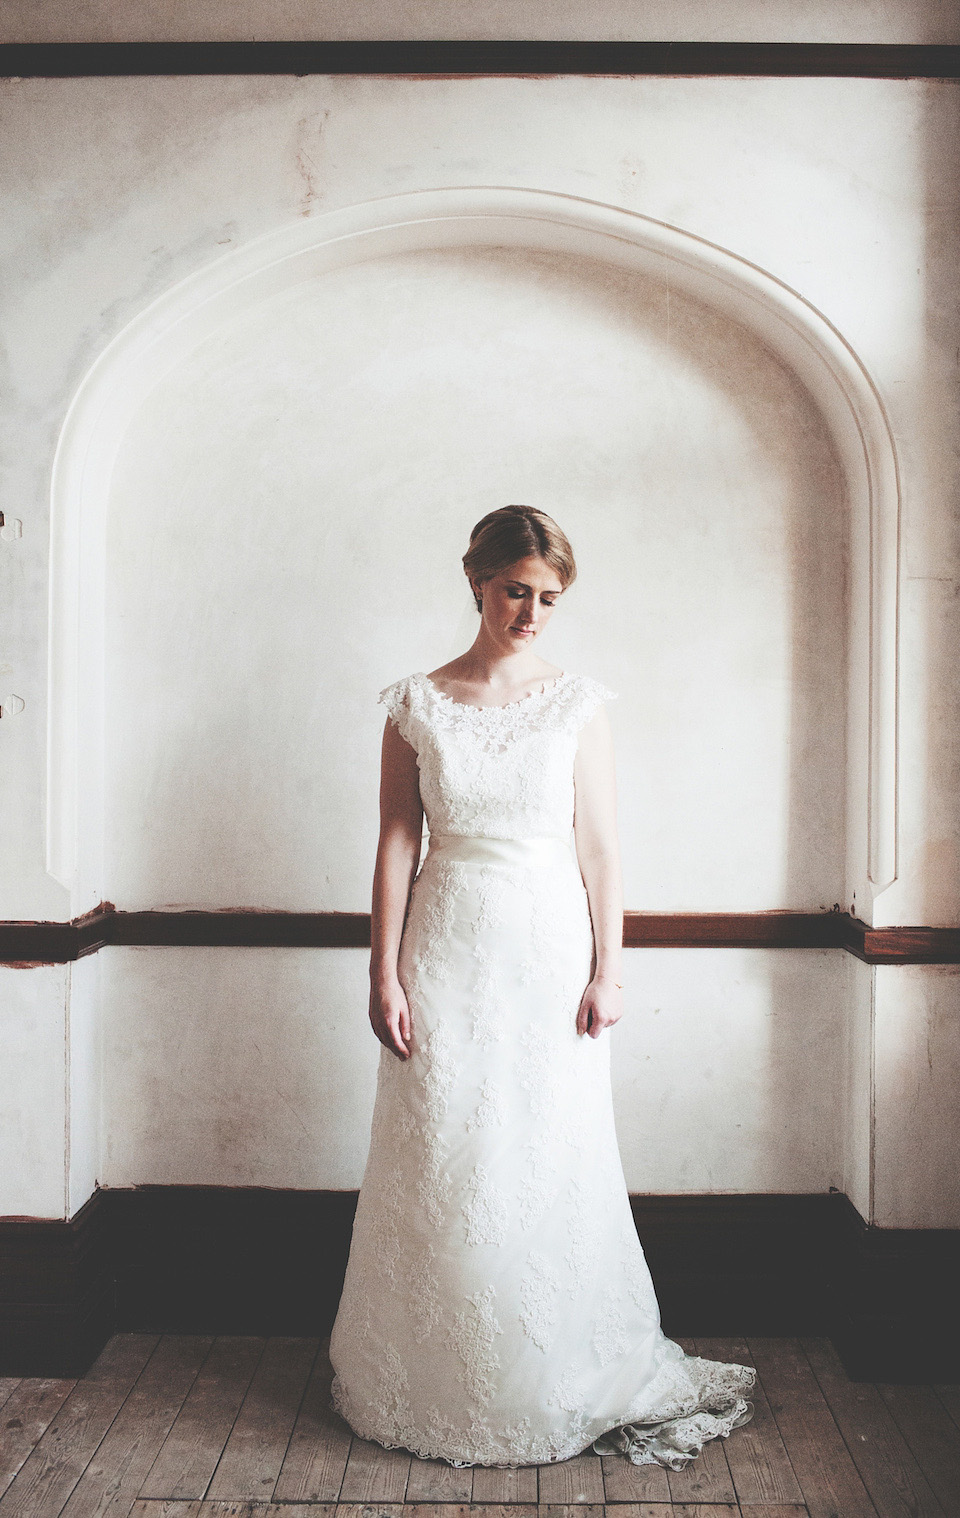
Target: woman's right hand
390 1017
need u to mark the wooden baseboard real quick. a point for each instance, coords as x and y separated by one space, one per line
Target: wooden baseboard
57 1291
251 1260
893 1302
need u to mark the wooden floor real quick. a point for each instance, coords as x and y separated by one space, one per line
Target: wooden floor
183 1426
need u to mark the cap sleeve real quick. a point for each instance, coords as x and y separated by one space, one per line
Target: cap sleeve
585 695
400 701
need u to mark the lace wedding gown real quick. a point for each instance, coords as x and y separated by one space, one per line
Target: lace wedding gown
497 1307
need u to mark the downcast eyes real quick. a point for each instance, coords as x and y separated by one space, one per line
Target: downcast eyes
518 595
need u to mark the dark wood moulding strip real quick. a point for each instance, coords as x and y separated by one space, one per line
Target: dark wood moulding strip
459 58
33 943
903 946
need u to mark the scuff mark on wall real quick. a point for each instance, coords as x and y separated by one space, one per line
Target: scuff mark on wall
310 131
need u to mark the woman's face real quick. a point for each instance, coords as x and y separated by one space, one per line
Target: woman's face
518 602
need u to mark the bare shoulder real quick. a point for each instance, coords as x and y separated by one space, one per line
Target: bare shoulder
451 671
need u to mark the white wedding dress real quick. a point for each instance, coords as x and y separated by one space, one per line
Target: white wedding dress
497 1307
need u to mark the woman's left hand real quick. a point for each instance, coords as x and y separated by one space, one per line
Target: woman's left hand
600 1006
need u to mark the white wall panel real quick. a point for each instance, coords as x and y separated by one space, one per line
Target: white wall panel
33 1091
258 1067
858 1111
237 1067
917 1139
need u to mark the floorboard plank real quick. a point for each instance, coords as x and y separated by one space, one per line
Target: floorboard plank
316 1457
635 1509
889 1470
8 1384
706 1479
932 1436
950 1397
829 1480
361 1510
705 1510
28 1411
188 1456
164 1507
570 1510
499 1485
254 1452
625 1482
231 1510
565 1482
436 1481
122 1358
374 1474
759 1464
299 1510
58 1460
113 1476
464 1510
781 1510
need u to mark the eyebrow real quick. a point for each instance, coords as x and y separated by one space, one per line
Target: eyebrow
530 587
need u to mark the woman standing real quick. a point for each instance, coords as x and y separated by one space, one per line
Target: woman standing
497 1307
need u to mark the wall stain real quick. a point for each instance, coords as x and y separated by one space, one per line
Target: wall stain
308 168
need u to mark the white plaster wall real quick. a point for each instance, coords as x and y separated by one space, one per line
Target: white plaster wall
85 1080
858 1115
258 1067
33 1091
678 20
236 1067
917 1136
729 1070
844 189
286 525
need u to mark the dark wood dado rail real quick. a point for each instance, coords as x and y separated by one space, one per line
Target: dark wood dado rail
34 943
863 60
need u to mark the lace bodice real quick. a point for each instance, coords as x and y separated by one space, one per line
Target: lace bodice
496 771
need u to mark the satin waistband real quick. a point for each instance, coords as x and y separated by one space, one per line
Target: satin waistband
527 851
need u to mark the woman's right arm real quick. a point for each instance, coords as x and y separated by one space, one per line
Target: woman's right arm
398 854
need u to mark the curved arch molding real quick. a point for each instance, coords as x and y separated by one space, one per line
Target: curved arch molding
157 340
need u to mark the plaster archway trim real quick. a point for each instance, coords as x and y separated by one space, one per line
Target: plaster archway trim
167 330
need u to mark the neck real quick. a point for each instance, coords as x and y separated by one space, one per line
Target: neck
486 660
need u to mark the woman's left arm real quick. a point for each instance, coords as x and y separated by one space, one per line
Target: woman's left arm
598 855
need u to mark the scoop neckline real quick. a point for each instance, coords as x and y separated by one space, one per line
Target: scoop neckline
504 706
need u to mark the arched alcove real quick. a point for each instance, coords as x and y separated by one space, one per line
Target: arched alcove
153 346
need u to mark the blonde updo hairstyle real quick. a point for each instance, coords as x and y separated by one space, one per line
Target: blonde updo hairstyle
517 532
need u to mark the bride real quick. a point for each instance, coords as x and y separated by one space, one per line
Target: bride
497 1307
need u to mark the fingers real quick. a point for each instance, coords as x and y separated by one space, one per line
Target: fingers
398 1035
590 1021
393 1028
